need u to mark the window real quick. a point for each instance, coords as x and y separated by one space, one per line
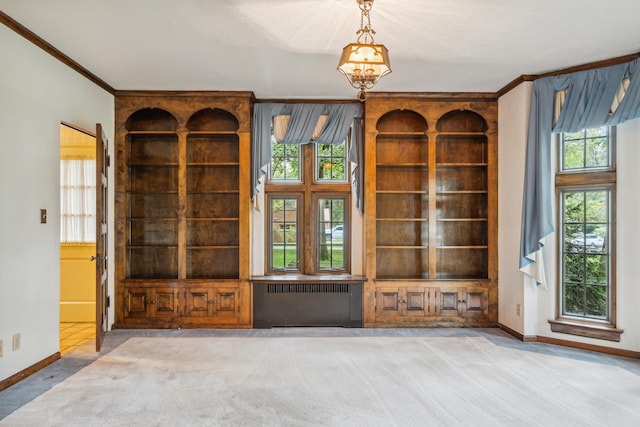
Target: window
77 201
586 191
308 196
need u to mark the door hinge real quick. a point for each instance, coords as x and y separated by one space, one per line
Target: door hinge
108 301
108 161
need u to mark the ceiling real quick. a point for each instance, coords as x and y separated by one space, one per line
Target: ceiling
290 48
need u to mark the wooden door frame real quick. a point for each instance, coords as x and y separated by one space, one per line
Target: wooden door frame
102 242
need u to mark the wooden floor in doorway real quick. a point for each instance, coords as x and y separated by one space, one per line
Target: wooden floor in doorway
73 335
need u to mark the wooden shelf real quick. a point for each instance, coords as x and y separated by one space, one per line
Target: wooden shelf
382 133
181 228
212 133
152 132
232 164
460 165
402 165
401 247
434 211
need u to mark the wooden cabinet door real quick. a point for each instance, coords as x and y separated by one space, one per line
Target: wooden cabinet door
226 302
151 302
467 302
388 302
415 302
475 303
450 302
200 302
406 303
213 302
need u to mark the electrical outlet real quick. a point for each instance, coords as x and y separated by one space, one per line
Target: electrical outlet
17 342
518 309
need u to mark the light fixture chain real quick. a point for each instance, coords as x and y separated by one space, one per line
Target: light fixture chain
365 30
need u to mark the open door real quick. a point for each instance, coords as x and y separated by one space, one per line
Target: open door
102 299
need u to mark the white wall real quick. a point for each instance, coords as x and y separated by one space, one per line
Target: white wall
513 115
37 92
539 304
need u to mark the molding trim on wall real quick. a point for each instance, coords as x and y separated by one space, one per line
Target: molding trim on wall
51 50
518 335
515 83
582 67
440 96
591 347
179 93
8 382
572 344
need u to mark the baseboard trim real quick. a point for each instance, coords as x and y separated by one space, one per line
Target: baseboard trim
518 335
573 344
591 347
8 382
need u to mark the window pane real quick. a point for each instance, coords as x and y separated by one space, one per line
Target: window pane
585 149
573 155
596 269
331 162
596 301
597 207
332 236
585 252
574 268
285 161
574 300
574 208
597 153
573 238
284 234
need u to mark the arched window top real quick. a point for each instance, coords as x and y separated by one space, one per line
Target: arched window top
213 119
151 119
461 121
402 121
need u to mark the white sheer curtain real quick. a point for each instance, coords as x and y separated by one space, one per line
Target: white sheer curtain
77 201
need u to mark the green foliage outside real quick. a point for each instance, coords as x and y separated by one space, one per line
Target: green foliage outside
285 161
331 162
586 225
284 258
586 256
586 149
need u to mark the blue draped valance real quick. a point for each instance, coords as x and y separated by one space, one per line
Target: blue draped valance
590 96
304 118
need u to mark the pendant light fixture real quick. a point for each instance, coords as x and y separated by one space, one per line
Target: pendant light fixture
364 62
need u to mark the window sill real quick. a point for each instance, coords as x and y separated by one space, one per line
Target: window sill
306 278
583 329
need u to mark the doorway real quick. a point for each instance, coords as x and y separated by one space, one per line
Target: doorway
77 237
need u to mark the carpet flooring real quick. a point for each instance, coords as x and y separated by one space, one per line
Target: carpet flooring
335 381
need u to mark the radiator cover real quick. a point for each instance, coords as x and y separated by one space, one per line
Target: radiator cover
307 304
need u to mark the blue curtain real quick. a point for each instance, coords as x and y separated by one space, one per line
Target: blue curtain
304 118
590 95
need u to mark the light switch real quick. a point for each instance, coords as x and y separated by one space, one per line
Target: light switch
43 216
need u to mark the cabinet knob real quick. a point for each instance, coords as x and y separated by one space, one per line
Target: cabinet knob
462 301
211 302
151 302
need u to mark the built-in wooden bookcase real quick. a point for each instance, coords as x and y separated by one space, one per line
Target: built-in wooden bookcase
431 209
182 209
